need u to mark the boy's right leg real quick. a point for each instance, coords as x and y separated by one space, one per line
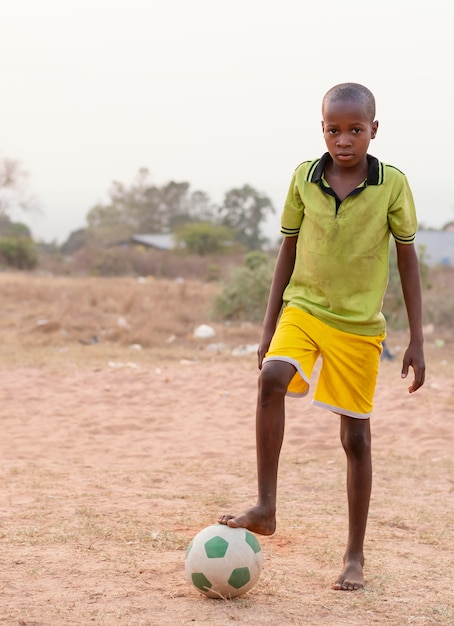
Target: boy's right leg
270 419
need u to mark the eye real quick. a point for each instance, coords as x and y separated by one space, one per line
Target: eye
332 131
357 131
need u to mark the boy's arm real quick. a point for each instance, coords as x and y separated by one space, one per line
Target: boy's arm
407 263
282 272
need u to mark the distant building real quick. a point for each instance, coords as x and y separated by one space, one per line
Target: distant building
159 241
436 246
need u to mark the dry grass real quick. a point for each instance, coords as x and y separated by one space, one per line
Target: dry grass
101 316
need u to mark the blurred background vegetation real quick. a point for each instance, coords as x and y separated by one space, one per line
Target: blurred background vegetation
174 232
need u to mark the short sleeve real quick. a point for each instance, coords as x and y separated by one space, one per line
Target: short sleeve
293 211
401 212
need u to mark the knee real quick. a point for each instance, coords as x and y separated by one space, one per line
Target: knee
272 383
356 442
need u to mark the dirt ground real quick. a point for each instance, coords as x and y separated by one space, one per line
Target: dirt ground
113 457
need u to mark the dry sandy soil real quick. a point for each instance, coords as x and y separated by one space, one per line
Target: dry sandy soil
116 451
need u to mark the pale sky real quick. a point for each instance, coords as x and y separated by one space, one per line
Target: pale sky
218 93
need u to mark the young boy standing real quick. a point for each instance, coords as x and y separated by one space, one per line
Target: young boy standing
331 275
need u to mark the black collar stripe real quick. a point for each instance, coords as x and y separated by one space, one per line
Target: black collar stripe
375 174
312 170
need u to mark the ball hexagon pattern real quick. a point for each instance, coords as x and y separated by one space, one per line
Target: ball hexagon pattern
224 562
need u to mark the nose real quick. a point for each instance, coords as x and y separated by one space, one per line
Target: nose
343 140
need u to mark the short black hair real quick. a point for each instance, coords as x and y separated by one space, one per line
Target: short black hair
351 92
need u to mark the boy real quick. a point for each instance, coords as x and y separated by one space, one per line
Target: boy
331 275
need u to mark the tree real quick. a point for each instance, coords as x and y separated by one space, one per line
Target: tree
121 217
106 224
143 208
17 248
168 207
201 208
14 230
13 187
77 239
244 211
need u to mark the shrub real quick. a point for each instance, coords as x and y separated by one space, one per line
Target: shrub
245 295
204 238
18 253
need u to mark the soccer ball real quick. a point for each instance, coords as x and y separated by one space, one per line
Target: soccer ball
224 562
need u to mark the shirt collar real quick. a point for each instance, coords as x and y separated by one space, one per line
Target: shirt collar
373 177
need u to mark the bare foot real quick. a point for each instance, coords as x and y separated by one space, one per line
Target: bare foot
258 520
351 578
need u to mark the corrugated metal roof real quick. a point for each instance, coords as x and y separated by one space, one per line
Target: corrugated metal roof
438 247
161 241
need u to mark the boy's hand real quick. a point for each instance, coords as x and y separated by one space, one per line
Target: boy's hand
414 357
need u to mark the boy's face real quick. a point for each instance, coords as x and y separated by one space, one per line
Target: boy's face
347 130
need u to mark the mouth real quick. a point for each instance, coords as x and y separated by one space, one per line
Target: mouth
345 156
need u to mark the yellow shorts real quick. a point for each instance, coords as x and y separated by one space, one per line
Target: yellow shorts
348 375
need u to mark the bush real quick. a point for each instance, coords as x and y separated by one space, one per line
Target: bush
18 253
245 295
204 238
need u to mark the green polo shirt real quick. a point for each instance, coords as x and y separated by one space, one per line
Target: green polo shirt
342 258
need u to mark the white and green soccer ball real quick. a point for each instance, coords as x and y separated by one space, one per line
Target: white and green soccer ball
224 562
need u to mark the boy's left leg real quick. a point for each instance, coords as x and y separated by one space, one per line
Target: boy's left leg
356 440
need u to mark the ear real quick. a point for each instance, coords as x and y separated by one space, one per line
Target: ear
323 125
374 129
